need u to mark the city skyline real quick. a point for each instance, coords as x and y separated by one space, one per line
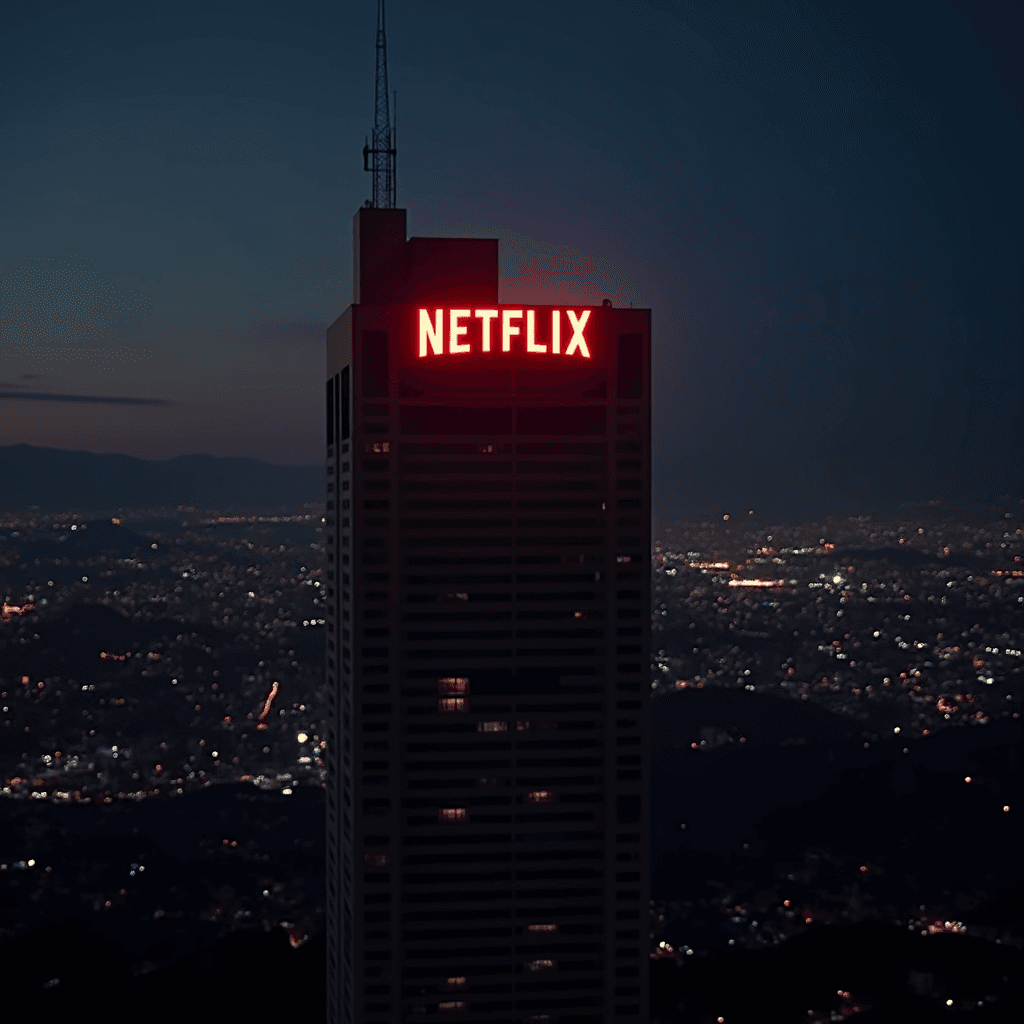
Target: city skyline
825 217
637 640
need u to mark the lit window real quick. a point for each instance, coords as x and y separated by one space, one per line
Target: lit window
455 1004
541 965
622 558
541 796
446 705
543 927
378 446
459 982
542 724
452 814
375 860
492 726
453 684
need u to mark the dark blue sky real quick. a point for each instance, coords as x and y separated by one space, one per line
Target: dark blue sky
819 201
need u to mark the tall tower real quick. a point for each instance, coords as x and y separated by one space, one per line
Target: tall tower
488 589
383 151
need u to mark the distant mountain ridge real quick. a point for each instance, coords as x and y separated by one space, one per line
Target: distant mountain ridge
57 480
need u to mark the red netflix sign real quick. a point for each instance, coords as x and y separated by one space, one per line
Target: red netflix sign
461 331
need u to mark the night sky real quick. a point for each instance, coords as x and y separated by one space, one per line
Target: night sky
819 201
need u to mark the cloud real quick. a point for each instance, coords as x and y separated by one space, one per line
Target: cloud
58 309
46 396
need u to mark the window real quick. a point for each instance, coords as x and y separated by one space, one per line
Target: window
330 411
453 1005
561 420
342 402
541 965
543 928
452 814
423 419
375 364
627 808
456 982
542 796
375 860
378 446
453 684
630 368
492 726
449 705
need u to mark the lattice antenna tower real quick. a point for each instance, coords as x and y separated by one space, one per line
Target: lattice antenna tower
383 149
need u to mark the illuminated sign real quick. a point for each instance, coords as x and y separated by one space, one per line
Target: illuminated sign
444 331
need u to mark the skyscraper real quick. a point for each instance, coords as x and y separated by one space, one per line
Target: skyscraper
488 610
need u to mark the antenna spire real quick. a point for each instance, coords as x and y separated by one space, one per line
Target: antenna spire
383 149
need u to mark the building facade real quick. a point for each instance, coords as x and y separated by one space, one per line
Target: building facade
488 612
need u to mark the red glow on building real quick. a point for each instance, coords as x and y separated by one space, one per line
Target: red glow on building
431 331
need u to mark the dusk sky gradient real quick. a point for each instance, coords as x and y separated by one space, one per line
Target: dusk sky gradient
820 202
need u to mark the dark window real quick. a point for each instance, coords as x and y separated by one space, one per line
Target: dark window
559 419
422 419
631 353
375 364
345 402
330 411
627 809
561 449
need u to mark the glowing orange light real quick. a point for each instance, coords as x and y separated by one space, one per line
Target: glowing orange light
266 704
453 684
492 726
540 965
447 705
452 814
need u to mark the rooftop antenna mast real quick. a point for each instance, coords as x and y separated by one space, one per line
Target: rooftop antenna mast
383 149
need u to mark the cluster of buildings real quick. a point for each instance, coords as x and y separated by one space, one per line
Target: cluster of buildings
905 627
221 632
